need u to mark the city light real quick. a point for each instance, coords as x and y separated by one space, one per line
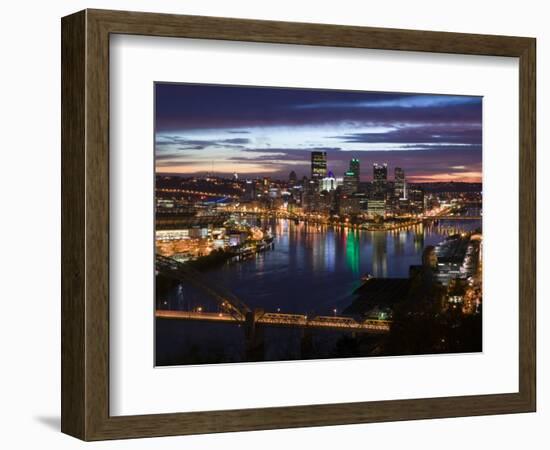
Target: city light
341 235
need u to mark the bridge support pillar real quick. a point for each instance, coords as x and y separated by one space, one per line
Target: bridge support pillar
254 336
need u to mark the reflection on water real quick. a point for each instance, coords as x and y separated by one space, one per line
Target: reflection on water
380 256
314 269
352 251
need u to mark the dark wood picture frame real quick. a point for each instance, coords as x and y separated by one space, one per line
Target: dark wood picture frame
85 224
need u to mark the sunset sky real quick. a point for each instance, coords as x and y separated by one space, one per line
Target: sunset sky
257 131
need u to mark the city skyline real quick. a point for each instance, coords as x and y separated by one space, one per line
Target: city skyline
368 205
256 132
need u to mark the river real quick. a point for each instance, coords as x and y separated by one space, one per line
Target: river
312 269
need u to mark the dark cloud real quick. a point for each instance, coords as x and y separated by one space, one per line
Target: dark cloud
166 156
427 133
240 141
300 151
166 162
434 134
188 106
200 144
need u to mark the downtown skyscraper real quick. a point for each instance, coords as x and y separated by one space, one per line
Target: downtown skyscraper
351 177
318 165
380 178
354 166
399 183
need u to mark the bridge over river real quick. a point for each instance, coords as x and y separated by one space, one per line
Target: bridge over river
234 311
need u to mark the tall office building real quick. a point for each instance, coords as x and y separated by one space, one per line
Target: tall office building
416 199
310 196
376 207
354 167
351 183
328 183
292 178
379 178
318 165
399 183
250 190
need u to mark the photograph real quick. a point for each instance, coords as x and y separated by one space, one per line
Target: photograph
303 224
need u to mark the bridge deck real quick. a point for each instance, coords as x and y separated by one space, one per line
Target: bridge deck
284 320
235 311
194 315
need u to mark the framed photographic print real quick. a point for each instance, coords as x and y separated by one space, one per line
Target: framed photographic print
270 224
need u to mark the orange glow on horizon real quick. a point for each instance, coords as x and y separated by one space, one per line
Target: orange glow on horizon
465 177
